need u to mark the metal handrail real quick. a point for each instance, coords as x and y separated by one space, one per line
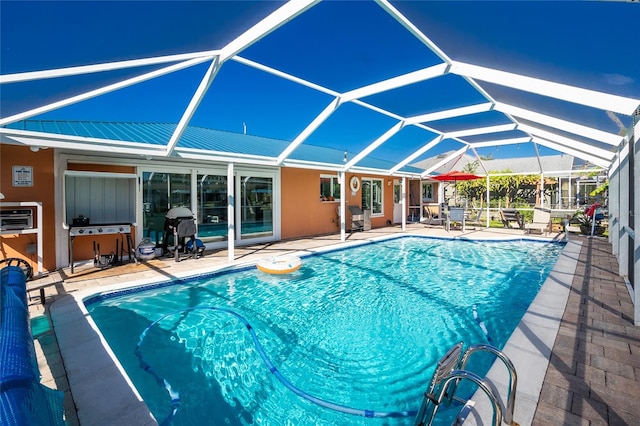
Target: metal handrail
513 377
458 375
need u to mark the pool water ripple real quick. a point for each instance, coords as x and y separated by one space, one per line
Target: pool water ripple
362 328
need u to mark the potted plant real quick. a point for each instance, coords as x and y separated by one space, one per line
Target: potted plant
585 222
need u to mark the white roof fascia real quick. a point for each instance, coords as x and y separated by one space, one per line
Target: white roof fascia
82 145
450 113
197 97
598 161
567 126
396 82
224 157
107 66
44 140
481 130
455 154
592 98
586 147
284 75
276 19
413 29
500 142
101 91
320 118
375 144
381 172
304 164
416 154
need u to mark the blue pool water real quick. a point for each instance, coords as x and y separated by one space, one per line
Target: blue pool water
361 328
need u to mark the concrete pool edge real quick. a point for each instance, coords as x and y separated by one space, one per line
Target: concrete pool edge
529 347
102 391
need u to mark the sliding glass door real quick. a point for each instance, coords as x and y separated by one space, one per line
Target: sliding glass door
256 206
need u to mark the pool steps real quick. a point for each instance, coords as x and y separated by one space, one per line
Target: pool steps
450 371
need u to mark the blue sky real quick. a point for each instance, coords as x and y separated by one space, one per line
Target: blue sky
338 44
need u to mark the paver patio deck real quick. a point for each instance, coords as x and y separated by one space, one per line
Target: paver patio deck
593 375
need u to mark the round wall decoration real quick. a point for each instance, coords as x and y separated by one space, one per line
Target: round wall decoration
354 183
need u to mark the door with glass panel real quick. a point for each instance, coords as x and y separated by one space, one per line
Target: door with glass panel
255 212
212 207
397 201
161 192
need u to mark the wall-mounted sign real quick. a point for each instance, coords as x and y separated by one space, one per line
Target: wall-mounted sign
22 176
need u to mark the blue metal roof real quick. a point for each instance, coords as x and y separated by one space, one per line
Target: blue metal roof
199 138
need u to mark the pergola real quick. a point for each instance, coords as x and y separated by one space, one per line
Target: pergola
469 123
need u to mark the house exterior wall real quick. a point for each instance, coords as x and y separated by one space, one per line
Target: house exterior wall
42 162
303 213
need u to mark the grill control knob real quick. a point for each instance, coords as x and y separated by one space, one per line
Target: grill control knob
99 229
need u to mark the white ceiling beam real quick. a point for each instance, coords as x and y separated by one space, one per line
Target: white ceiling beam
101 91
391 10
107 66
396 82
416 154
275 20
285 76
450 113
375 144
197 97
586 147
592 98
320 118
598 161
500 142
567 126
445 160
481 130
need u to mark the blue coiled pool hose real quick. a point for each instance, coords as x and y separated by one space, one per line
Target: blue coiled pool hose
175 396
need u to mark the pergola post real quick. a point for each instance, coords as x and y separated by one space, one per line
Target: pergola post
403 203
635 223
343 200
231 222
488 214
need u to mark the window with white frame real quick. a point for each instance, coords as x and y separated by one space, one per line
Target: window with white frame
329 188
427 191
372 195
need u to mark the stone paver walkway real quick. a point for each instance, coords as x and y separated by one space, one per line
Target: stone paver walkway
593 376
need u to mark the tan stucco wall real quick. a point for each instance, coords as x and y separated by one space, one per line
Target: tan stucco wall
42 191
304 214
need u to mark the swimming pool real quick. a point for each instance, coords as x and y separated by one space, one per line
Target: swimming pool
360 328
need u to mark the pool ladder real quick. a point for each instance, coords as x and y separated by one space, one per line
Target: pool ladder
450 371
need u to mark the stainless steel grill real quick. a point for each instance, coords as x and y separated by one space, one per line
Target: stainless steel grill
16 219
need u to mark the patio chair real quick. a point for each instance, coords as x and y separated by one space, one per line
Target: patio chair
475 220
541 221
432 218
511 215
